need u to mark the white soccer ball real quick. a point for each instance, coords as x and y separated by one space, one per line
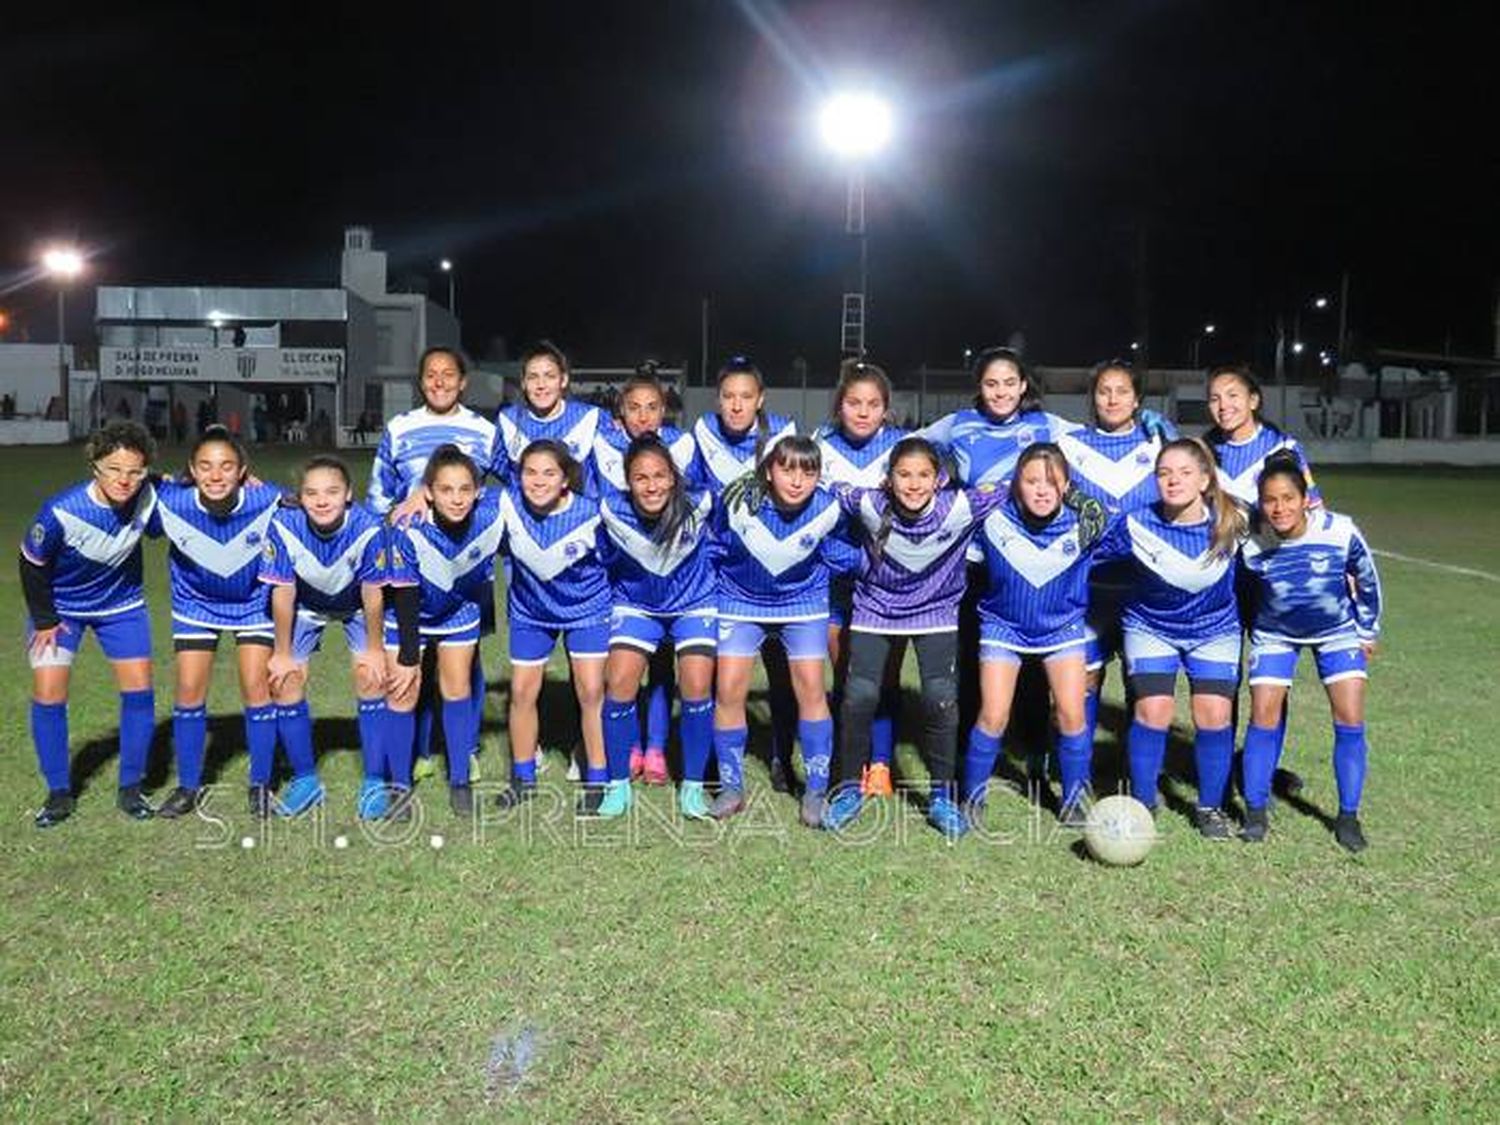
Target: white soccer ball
1120 831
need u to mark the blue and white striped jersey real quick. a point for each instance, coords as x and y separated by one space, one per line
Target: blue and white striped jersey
1304 583
858 466
666 579
328 570
1118 470
1036 588
1180 590
1241 462
453 566
611 442
985 450
93 548
575 424
556 575
214 561
410 440
772 565
723 456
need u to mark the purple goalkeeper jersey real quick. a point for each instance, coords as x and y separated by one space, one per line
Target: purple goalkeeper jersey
913 582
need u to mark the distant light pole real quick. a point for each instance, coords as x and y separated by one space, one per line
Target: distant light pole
1207 330
855 126
63 264
446 265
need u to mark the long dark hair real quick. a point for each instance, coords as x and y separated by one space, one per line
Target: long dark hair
679 514
1103 368
444 456
907 447
1242 372
741 365
1031 397
549 447
851 373
1056 460
795 451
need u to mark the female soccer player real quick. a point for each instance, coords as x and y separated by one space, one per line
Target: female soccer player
658 543
1114 461
1318 589
439 570
985 440
80 570
557 588
323 562
640 409
773 581
856 445
1037 560
545 412
913 539
1182 614
217 527
1241 439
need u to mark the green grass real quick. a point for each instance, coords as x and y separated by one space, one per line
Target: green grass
162 970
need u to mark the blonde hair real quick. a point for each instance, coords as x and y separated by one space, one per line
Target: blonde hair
1230 522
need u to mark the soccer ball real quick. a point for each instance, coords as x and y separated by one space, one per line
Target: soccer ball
1120 831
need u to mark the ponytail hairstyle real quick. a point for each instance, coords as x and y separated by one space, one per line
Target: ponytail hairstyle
220 434
1031 394
1247 379
679 515
792 452
644 379
851 373
444 456
1057 469
1230 522
1116 364
907 447
741 365
550 447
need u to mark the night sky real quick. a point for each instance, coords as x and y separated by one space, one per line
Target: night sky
596 169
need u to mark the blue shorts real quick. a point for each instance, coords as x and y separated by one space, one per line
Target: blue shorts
533 644
840 600
803 640
123 636
461 627
998 641
307 632
1214 660
694 631
1275 661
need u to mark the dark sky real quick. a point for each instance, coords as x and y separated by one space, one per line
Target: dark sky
596 169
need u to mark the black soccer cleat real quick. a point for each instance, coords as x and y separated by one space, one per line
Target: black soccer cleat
461 800
262 802
180 802
782 779
133 804
589 800
513 796
59 807
1211 823
1348 833
1257 824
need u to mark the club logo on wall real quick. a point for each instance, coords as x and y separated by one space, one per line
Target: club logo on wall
244 362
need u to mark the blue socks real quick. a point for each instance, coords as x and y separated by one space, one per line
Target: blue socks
622 732
372 716
49 733
524 774
1147 751
260 737
1213 753
697 737
458 727
137 722
1350 752
294 725
816 736
1262 748
189 732
1075 761
729 747
658 716
979 763
883 729
599 775
396 742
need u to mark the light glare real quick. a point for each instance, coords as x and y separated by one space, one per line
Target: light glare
856 124
63 262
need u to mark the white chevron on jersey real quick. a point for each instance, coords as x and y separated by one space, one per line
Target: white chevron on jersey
724 465
550 561
916 555
777 556
1117 478
579 440
438 570
659 559
1038 565
98 545
327 579
837 467
611 461
224 559
1194 574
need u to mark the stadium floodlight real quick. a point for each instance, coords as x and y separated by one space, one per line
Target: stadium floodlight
1320 302
63 264
856 124
446 265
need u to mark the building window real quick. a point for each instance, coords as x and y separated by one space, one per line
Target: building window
384 344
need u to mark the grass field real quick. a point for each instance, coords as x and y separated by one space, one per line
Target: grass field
655 970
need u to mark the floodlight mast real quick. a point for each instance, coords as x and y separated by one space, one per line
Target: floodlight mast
855 126
63 264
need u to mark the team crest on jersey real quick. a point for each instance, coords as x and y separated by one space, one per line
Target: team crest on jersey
474 551
38 534
1024 436
944 535
252 539
1069 547
1142 457
1319 564
268 552
807 542
571 550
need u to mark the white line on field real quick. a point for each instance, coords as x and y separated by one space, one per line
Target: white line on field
1464 570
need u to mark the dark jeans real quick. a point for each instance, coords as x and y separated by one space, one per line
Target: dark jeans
937 654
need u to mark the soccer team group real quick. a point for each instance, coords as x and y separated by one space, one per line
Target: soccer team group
664 560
